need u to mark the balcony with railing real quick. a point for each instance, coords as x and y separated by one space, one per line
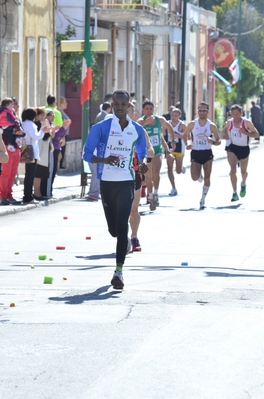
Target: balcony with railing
126 10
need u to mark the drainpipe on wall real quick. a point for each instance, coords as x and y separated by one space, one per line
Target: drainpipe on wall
113 57
128 48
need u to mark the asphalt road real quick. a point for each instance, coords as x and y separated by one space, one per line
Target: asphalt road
183 332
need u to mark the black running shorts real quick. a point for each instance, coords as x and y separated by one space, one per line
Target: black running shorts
239 151
201 156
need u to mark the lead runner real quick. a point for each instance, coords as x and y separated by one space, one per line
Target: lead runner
115 139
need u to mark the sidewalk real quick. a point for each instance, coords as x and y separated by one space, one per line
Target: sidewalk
68 185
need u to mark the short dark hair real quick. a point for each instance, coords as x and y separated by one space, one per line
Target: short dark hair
236 106
6 101
108 97
118 93
148 102
51 99
106 105
203 103
29 114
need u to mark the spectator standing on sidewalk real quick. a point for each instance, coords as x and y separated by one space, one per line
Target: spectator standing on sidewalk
106 109
9 169
256 117
63 106
32 136
60 132
42 168
52 104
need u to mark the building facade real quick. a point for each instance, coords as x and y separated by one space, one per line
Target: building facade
27 63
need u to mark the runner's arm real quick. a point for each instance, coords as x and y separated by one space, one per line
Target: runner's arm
251 130
214 130
187 135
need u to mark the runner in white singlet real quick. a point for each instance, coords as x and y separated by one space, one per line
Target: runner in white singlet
238 130
176 155
201 134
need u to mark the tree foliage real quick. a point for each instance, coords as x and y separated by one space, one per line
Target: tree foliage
71 63
252 40
251 83
252 32
209 4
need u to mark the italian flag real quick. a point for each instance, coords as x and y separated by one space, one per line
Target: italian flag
235 71
87 82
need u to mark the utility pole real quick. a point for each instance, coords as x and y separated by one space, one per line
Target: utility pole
182 84
238 51
85 106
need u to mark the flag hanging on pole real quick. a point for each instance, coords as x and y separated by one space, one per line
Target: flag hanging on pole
87 83
235 71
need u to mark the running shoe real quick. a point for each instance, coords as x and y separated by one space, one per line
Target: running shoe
129 245
183 169
117 281
235 197
200 180
202 204
173 192
243 191
156 199
152 204
135 245
143 191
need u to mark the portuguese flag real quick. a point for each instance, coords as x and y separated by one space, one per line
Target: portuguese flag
87 83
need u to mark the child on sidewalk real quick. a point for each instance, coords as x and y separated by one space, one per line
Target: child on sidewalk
10 124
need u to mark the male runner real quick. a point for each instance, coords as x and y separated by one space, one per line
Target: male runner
177 153
238 130
134 219
202 133
153 124
115 139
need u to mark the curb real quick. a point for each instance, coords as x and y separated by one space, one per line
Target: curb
11 210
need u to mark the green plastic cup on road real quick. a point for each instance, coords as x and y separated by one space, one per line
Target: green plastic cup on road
48 280
42 257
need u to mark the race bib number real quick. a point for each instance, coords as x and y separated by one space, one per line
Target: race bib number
121 164
154 140
200 142
237 134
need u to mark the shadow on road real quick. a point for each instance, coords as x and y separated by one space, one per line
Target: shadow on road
100 294
96 257
219 274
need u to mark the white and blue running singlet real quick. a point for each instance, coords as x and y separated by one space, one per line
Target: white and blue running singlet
109 139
